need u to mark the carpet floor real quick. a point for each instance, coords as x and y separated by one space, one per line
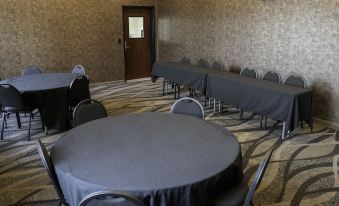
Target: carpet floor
303 169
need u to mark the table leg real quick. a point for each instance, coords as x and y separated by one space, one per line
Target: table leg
18 119
283 134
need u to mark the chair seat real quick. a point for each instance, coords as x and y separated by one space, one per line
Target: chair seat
233 197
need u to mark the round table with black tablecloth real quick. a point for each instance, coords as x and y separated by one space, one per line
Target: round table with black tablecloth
164 159
50 92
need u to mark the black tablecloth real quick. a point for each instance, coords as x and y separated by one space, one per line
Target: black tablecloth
192 76
50 92
165 159
277 101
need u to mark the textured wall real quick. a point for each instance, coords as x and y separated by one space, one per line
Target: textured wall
300 36
58 34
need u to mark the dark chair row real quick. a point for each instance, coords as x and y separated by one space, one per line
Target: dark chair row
291 80
78 69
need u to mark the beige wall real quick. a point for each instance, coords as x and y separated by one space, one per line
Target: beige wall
58 34
299 36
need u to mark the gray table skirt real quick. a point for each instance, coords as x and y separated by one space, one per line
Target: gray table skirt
164 159
50 92
279 102
188 75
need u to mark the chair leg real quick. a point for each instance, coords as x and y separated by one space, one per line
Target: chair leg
6 126
18 119
3 125
163 88
29 125
265 126
214 110
241 114
301 124
178 91
261 119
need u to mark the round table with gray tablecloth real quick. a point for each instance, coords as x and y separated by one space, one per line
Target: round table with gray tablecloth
164 159
50 91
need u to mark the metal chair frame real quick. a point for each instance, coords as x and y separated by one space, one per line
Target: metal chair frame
296 76
190 99
258 176
104 194
79 69
48 165
249 69
83 102
203 63
30 70
272 72
18 106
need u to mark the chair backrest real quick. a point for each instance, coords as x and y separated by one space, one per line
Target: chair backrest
217 66
30 70
272 76
88 110
79 69
294 80
249 73
203 63
185 60
47 162
79 90
10 97
112 197
189 106
258 176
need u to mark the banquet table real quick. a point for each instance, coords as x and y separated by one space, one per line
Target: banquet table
50 92
192 76
164 159
278 101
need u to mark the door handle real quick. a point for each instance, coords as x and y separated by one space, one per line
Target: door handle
126 45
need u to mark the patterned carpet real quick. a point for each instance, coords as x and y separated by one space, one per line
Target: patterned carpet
303 170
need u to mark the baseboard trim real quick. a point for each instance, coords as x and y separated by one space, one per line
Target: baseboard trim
138 80
108 82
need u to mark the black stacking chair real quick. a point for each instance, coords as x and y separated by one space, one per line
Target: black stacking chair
239 195
111 198
79 69
273 77
12 102
185 60
48 164
203 63
247 73
296 81
88 110
30 70
188 106
218 66
78 91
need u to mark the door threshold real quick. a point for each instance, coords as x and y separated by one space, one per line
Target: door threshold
138 80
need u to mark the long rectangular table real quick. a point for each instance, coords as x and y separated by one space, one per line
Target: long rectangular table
192 76
279 102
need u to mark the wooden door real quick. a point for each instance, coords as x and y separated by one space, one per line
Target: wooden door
138 41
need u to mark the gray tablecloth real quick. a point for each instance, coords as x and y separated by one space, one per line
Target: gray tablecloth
165 159
192 76
50 92
277 101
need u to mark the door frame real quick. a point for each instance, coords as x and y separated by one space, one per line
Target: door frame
152 23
